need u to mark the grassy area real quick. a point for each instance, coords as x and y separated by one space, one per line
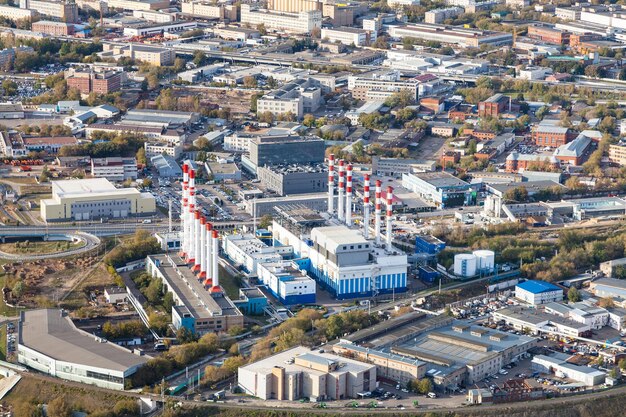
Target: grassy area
229 283
3 342
98 278
39 248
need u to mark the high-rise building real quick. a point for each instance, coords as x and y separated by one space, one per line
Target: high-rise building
294 6
100 82
65 11
294 22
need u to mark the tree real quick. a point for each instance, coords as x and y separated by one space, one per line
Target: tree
199 58
266 221
9 87
574 184
615 372
518 194
381 42
59 407
184 335
308 120
250 82
262 29
316 33
146 183
425 386
606 302
622 364
573 295
141 156
18 289
126 408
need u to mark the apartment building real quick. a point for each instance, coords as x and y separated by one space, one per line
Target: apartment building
210 10
95 80
617 154
16 13
293 22
439 15
53 28
63 10
152 54
8 55
114 168
294 6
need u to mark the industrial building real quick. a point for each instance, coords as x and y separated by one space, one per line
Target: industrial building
94 80
537 321
467 265
302 95
395 167
451 35
53 28
538 292
248 252
347 36
114 168
608 287
287 282
380 85
283 149
270 205
166 166
294 179
89 199
196 307
494 106
441 188
299 372
50 343
429 245
557 364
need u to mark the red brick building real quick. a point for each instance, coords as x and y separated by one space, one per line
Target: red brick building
449 158
53 28
433 103
480 134
516 161
549 34
493 106
552 136
103 82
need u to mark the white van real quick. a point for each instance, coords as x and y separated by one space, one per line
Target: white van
431 395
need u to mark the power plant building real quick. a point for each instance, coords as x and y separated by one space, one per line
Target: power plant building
286 281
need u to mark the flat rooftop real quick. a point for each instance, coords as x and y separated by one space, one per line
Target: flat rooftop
441 179
49 333
200 302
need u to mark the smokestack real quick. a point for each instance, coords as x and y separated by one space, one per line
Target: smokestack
389 214
215 275
208 283
183 212
349 197
331 183
379 185
191 247
366 206
203 258
340 209
197 232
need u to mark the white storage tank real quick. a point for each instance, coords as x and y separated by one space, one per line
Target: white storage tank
485 260
465 265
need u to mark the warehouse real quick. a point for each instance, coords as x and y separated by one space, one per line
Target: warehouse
443 189
287 282
248 251
559 365
299 372
97 198
294 179
538 292
538 321
50 343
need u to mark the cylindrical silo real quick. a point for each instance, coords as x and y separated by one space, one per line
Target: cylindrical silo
485 260
465 264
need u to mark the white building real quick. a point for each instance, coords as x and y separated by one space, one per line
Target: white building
303 95
114 168
558 364
534 73
401 3
538 292
345 263
248 251
160 148
439 15
302 22
287 282
154 29
299 372
367 108
237 142
50 343
115 295
346 36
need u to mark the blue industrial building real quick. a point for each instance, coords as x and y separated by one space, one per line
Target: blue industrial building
251 301
427 274
287 282
429 245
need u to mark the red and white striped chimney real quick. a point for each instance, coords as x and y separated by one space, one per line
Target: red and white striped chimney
366 206
208 283
340 208
331 183
203 259
215 273
197 256
349 196
191 248
377 211
183 212
389 215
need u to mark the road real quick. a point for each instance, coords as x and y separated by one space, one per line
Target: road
91 242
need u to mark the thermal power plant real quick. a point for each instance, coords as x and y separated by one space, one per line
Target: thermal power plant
340 203
485 260
192 276
465 265
331 183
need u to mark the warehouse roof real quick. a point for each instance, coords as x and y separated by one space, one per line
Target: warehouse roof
538 287
50 333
